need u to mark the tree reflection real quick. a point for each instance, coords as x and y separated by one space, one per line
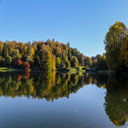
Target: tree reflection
116 101
48 85
52 85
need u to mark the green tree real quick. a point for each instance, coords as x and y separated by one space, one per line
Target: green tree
69 54
5 50
81 59
101 63
88 61
8 60
11 46
58 62
68 65
45 59
37 61
64 57
94 62
74 61
82 62
75 52
124 52
15 54
113 41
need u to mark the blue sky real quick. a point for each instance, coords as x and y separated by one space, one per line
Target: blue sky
83 23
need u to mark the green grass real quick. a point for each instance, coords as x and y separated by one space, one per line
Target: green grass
73 70
3 69
78 69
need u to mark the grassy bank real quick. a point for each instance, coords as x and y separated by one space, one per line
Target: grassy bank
79 69
6 69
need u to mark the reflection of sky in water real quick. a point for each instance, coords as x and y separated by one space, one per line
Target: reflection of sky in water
82 109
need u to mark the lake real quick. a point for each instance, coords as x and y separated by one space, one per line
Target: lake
60 100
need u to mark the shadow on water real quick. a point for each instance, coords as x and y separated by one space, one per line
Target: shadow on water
52 85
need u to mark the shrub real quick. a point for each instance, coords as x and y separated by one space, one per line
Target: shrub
18 62
26 66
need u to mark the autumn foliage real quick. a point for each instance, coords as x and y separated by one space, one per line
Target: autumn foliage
44 56
18 62
26 75
113 42
26 66
19 77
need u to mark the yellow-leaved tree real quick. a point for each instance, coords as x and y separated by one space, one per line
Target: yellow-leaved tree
32 54
124 52
113 41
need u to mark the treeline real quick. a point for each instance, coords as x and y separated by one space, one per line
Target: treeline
49 55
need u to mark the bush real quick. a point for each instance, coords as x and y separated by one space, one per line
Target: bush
18 62
26 66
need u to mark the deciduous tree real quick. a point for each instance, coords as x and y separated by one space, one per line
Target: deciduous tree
113 41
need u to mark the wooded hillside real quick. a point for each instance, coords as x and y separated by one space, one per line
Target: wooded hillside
46 56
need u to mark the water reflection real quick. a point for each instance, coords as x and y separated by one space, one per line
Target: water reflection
52 85
48 85
116 100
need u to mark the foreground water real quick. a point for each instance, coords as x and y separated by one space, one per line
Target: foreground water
53 100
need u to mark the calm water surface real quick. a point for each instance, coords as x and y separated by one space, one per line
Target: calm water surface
53 100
